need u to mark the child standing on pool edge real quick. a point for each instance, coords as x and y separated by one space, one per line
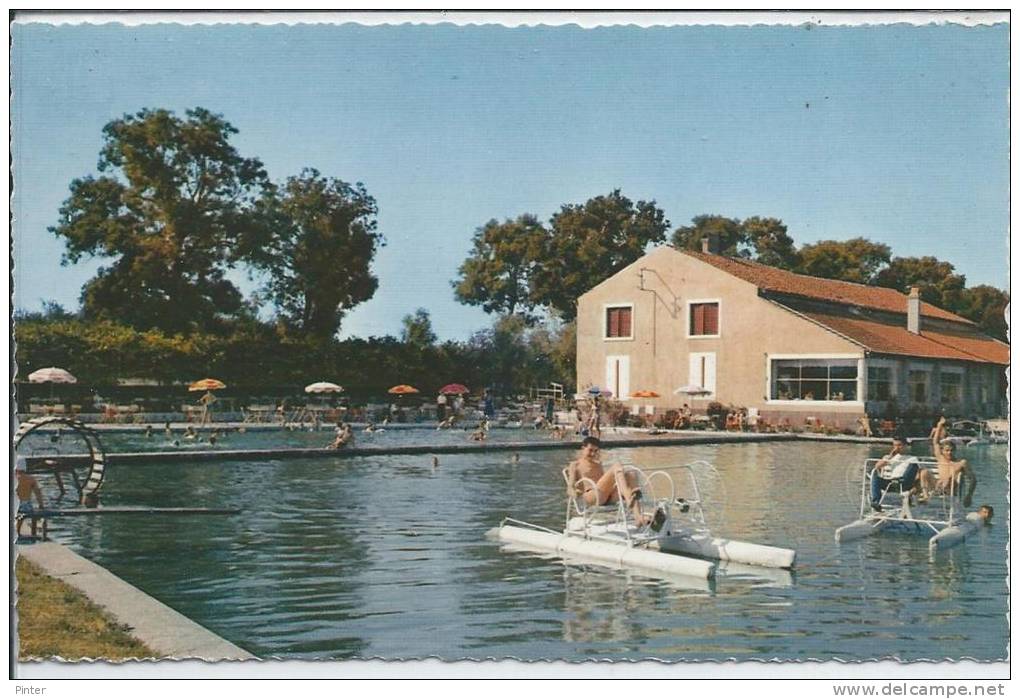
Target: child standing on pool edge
26 488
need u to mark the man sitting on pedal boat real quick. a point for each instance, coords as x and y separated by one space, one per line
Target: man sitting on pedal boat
950 473
610 486
895 467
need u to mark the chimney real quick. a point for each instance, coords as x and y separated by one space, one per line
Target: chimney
914 311
710 244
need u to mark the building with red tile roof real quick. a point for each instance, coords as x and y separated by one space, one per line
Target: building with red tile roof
789 347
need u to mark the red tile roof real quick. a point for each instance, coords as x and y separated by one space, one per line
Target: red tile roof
886 338
847 293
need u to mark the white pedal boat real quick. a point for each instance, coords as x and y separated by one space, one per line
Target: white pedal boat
681 546
942 518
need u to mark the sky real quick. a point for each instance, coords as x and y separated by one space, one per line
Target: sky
896 133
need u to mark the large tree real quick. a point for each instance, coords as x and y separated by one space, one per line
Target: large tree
318 255
762 239
938 281
497 273
730 238
173 200
855 260
590 242
986 306
417 330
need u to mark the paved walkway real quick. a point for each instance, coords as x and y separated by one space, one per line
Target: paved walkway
165 631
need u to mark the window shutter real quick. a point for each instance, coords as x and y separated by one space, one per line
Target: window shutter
697 319
613 324
711 319
624 322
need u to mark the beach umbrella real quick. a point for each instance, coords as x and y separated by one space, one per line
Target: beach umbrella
594 390
207 385
454 389
323 387
693 390
402 390
644 394
51 374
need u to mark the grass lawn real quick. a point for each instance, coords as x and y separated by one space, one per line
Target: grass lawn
55 620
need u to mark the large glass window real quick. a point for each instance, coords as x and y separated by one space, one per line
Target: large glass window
618 321
917 385
951 385
880 383
704 319
814 379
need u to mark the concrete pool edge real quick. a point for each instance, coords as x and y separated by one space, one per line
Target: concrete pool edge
167 632
678 439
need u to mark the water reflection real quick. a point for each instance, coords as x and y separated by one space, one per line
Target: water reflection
386 557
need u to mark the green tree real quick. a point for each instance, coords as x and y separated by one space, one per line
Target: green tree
319 252
497 273
590 242
986 306
770 242
762 239
730 237
937 280
856 260
175 201
417 331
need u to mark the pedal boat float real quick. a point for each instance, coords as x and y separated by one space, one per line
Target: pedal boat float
942 517
676 542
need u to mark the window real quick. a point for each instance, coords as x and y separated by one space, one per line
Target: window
981 381
814 379
880 383
704 319
951 385
917 385
618 322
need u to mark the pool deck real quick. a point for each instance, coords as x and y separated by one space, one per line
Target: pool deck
167 632
619 438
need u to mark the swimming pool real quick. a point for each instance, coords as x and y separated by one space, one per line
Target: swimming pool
385 557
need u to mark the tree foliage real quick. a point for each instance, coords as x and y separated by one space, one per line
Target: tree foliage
497 274
856 260
318 252
417 330
174 199
986 306
590 242
762 239
937 280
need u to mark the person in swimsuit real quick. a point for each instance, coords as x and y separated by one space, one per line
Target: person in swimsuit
950 473
343 435
27 487
610 485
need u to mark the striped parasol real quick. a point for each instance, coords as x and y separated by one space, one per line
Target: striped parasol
207 385
402 390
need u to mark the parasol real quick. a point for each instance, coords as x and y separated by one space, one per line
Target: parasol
323 387
693 390
51 374
644 394
402 390
454 389
207 385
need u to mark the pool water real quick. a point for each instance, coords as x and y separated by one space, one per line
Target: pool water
365 557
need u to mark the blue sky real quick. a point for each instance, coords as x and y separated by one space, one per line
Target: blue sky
896 133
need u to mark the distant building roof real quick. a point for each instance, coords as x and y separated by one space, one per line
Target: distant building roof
960 341
887 338
847 293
